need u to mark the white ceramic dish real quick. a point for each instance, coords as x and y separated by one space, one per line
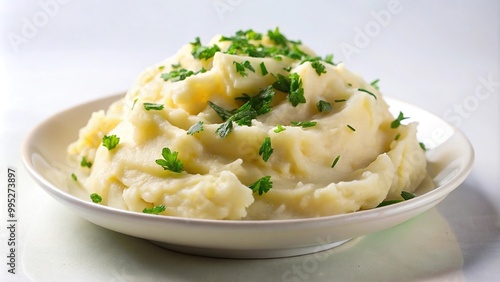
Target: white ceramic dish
450 157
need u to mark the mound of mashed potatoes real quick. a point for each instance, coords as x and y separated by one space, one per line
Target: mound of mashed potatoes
249 126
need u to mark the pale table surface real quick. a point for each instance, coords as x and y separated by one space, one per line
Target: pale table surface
441 56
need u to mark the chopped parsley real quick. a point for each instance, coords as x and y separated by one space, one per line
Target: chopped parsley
263 185
329 59
110 141
180 74
175 66
304 124
422 145
296 94
366 91
95 198
278 38
397 136
85 163
397 122
154 210
161 67
240 67
201 52
266 150
351 128
279 128
153 106
375 84
263 69
135 102
170 161
405 195
195 128
318 67
339 100
73 176
335 161
253 107
282 83
323 106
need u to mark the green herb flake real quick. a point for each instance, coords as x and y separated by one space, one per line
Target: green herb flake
133 104
329 59
397 122
74 177
266 150
279 128
339 100
161 67
375 84
304 124
180 74
195 128
153 106
240 69
323 106
351 128
85 163
287 69
318 67
154 210
263 69
201 52
296 95
175 66
263 185
110 141
366 91
397 136
422 145
335 161
405 195
95 198
277 37
170 161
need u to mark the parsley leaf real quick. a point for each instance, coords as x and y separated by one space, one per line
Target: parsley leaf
73 176
263 69
225 128
240 67
397 122
153 106
397 136
375 84
203 52
154 210
261 102
296 95
279 128
329 59
318 66
95 198
335 161
266 150
405 195
180 74
351 128
110 141
366 91
323 106
170 161
195 128
282 83
223 113
85 163
277 37
263 185
422 145
304 124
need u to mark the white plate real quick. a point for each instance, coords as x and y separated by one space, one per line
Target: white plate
450 157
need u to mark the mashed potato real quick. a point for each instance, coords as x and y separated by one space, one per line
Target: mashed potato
252 126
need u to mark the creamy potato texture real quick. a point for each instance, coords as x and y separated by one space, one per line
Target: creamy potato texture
250 110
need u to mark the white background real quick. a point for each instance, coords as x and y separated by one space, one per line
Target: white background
438 55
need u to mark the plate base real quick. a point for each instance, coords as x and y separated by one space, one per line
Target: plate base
249 253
